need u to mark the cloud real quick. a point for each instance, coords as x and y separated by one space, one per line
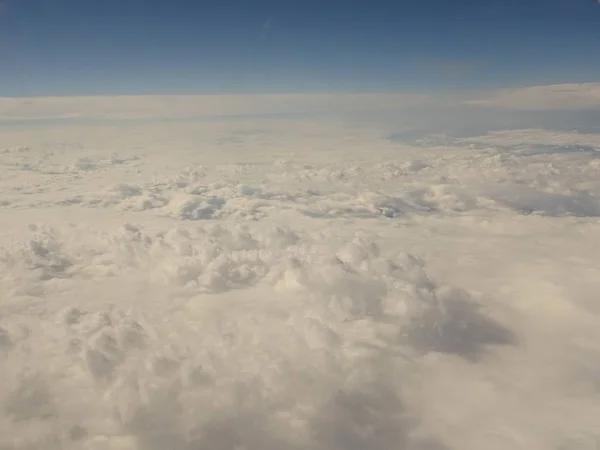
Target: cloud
191 106
308 285
580 96
574 96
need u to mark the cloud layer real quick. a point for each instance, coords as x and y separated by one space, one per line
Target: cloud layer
572 96
303 284
541 98
192 106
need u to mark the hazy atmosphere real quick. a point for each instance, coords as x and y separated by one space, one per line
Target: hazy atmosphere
299 225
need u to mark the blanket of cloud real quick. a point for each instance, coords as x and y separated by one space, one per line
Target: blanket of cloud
563 97
307 283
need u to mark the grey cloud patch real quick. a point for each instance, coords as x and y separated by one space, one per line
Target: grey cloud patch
31 400
457 326
545 149
368 417
530 201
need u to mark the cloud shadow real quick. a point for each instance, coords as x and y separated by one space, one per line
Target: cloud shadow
457 327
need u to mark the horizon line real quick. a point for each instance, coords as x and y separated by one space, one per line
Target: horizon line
438 91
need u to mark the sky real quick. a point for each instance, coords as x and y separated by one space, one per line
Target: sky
78 47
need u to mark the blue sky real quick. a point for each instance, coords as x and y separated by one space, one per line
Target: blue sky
62 47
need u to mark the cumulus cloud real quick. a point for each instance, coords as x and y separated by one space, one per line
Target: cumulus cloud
301 284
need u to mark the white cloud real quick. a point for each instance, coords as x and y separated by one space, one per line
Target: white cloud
296 284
